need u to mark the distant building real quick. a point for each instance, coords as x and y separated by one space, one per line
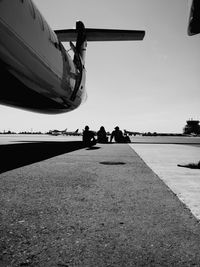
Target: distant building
192 127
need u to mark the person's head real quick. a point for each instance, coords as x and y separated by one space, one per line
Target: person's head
87 128
117 128
102 128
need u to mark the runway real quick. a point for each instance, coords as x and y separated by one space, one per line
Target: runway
66 205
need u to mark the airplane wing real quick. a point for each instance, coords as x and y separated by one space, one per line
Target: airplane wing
101 35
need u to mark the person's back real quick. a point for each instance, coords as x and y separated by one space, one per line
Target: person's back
101 136
118 135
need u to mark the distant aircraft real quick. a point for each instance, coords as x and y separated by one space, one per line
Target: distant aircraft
75 133
64 132
57 132
131 133
37 73
194 18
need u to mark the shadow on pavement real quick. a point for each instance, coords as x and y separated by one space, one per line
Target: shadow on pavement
17 155
93 148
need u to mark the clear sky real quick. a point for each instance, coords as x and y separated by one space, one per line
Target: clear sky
150 85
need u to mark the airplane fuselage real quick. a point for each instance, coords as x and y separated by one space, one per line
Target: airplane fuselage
36 71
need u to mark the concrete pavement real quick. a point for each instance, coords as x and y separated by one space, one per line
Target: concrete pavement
94 207
163 160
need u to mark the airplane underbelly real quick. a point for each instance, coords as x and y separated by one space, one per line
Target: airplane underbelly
32 58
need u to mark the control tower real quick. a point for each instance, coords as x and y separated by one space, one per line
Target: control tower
192 127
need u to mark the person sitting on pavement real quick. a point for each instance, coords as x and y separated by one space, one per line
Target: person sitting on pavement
127 138
117 135
89 137
102 136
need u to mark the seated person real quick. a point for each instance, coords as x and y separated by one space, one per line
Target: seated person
117 135
127 138
89 137
101 135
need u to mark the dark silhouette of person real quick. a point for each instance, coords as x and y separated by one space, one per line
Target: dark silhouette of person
102 135
127 138
89 137
117 135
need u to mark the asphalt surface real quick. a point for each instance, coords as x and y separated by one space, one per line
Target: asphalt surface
164 160
91 207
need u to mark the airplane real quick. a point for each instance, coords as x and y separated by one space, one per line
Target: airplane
64 132
37 73
131 133
57 132
194 18
74 133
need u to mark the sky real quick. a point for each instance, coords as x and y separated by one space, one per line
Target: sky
146 86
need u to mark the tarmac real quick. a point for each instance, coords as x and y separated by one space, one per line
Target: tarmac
66 205
165 161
